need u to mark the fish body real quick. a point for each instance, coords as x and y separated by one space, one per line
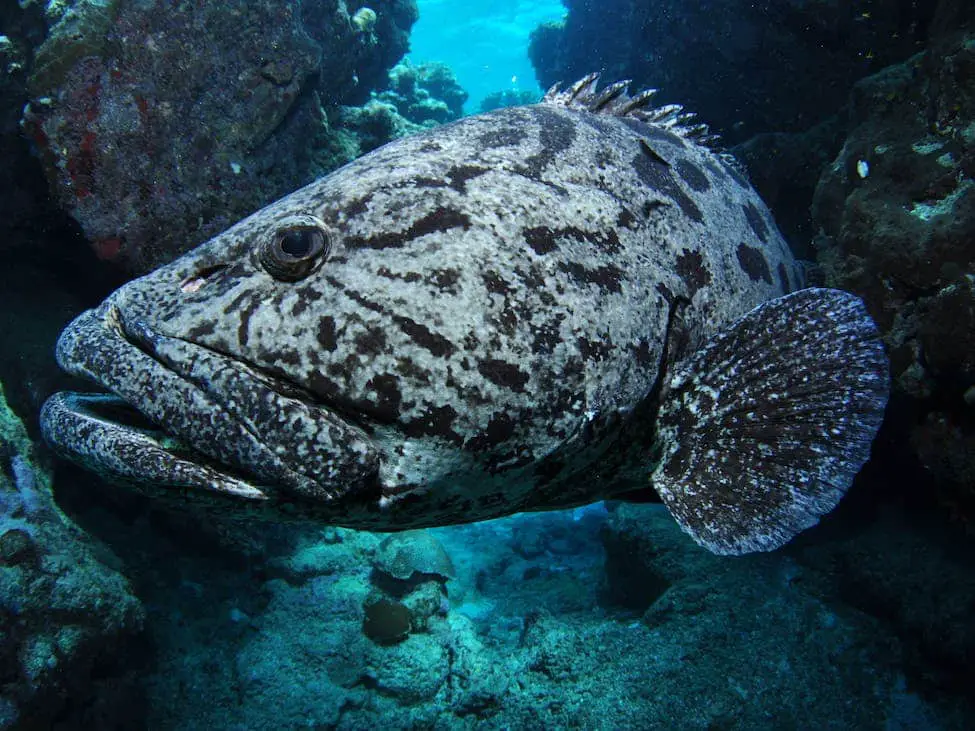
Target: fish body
534 308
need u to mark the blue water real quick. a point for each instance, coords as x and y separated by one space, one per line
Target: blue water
485 42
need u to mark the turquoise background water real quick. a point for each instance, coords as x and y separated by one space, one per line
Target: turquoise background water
485 42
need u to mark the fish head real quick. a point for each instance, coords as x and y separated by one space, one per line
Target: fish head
302 356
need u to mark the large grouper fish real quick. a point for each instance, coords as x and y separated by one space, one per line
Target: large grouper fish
535 308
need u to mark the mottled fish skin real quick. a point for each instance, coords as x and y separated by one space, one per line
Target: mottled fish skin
492 309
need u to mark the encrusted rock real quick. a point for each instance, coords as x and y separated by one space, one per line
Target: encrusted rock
68 622
896 214
154 141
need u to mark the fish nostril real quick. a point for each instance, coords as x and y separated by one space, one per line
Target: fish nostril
193 283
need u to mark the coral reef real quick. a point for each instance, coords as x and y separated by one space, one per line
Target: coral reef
743 67
918 586
424 94
155 141
417 97
68 620
896 211
24 200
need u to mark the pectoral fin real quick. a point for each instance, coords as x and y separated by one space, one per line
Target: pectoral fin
763 430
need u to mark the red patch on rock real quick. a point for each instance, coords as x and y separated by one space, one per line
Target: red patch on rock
107 249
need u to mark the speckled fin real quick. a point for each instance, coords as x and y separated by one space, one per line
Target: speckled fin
614 99
764 429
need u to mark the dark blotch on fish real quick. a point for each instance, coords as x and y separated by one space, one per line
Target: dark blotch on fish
422 335
692 175
606 277
650 207
503 374
546 336
445 280
495 284
370 342
503 137
326 333
543 239
653 154
556 136
753 263
386 386
642 353
691 269
405 277
657 175
459 175
499 430
593 349
357 206
205 328
754 219
652 132
436 422
243 329
442 219
626 219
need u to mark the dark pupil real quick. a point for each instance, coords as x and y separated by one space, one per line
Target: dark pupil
298 244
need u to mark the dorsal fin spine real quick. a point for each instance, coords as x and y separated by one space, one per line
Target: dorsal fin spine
614 100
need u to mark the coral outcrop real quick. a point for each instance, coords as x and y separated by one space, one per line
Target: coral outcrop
425 93
410 574
615 621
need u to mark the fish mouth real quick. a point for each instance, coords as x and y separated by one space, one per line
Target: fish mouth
179 414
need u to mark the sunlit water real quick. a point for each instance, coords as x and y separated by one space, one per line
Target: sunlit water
485 42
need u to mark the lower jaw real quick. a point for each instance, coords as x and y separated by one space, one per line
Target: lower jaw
106 435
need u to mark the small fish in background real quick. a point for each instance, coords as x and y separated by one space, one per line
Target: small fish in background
531 309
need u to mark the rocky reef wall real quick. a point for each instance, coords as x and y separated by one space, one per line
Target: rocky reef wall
158 128
745 67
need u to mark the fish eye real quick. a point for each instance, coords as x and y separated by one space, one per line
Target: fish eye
291 252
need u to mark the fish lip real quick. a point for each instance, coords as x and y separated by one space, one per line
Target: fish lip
126 356
172 464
